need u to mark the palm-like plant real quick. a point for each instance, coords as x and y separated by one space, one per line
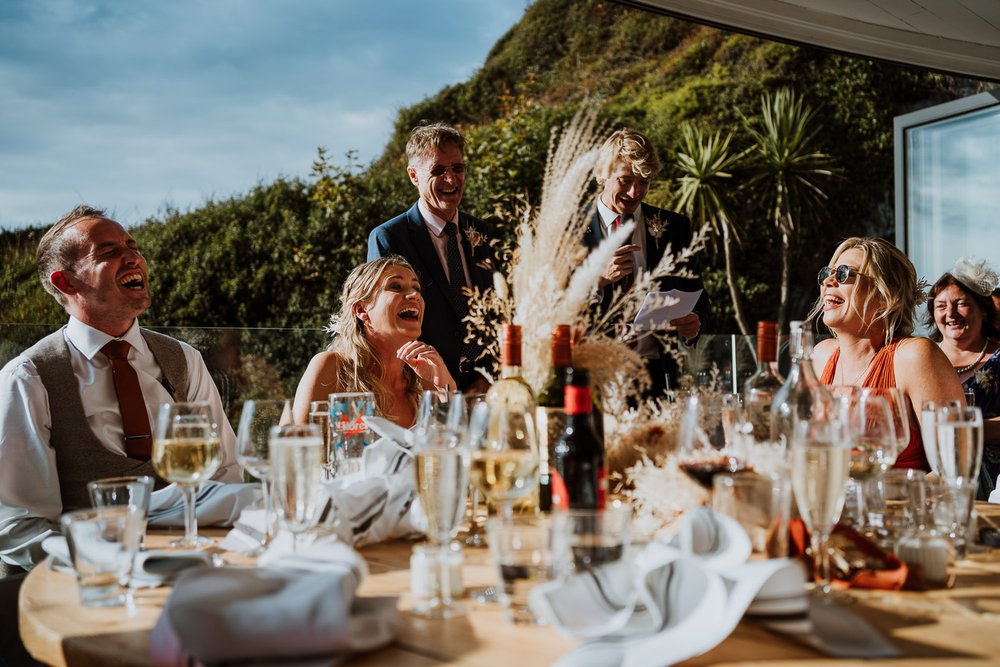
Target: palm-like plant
789 165
705 163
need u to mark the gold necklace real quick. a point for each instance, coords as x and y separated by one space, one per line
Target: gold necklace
863 370
966 369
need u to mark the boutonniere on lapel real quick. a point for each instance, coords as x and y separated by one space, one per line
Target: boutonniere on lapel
657 227
476 237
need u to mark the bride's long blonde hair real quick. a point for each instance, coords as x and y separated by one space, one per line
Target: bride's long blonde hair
360 367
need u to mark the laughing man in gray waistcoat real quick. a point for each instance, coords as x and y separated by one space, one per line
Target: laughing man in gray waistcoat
65 417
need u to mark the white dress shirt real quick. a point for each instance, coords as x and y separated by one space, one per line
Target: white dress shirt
29 483
440 240
645 345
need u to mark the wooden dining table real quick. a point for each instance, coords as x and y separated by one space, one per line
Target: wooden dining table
955 626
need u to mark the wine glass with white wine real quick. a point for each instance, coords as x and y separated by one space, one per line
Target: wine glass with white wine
187 451
504 463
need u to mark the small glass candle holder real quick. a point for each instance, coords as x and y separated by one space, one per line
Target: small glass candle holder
425 575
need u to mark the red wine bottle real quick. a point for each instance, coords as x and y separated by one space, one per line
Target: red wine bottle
578 467
550 420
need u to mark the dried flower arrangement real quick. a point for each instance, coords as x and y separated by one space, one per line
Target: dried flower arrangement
551 279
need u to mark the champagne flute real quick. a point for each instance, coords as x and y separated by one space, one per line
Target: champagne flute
505 461
821 456
928 428
475 432
187 451
319 414
296 469
442 472
252 450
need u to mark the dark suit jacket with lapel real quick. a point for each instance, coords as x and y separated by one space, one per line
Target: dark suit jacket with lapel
676 236
407 235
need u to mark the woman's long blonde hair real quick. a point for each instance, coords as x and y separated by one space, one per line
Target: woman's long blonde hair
896 291
360 367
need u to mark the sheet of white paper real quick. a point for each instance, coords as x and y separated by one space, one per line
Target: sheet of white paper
653 315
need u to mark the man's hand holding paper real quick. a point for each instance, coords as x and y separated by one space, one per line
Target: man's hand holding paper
670 310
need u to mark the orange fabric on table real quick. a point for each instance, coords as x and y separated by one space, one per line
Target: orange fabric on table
882 375
891 577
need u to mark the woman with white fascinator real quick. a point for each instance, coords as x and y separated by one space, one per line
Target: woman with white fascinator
966 326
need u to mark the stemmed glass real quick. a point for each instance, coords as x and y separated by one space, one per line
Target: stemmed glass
900 413
296 470
872 428
928 428
703 450
187 451
442 472
505 461
821 456
252 451
960 455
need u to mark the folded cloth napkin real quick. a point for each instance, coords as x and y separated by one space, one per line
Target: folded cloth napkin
216 504
377 503
299 610
151 569
678 599
881 570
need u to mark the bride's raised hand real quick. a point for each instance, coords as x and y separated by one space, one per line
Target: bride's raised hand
427 363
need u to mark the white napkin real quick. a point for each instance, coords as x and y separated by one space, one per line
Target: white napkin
677 600
216 504
995 493
301 609
377 503
151 569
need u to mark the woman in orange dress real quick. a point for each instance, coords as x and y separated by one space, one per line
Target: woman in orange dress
868 298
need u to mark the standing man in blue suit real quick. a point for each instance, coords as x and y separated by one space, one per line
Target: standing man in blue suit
444 245
625 166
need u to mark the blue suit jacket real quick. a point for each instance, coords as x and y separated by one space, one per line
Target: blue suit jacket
677 235
407 235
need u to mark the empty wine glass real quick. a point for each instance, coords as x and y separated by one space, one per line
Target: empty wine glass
252 450
900 412
187 451
297 468
872 428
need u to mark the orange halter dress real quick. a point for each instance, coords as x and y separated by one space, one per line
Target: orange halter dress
881 375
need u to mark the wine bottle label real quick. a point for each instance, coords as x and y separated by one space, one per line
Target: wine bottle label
577 400
560 496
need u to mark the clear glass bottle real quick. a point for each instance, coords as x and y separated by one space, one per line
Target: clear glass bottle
511 391
761 388
512 409
550 419
802 397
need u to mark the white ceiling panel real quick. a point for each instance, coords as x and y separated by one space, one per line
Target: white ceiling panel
956 36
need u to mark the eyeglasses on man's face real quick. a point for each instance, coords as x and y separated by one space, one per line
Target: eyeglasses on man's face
842 273
439 170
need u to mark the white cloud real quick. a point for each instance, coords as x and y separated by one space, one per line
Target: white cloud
135 105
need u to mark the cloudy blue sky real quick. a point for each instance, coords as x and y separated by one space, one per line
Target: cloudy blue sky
133 105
